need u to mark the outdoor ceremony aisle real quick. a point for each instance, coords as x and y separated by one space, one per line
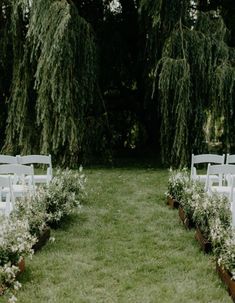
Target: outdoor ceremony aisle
124 246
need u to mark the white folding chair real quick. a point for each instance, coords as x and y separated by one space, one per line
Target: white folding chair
7 199
6 159
223 173
22 177
39 159
205 159
233 201
230 159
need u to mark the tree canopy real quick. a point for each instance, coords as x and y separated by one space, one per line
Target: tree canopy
83 79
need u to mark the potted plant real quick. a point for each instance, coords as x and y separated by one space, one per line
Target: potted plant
208 209
32 208
15 243
64 195
192 192
225 265
177 182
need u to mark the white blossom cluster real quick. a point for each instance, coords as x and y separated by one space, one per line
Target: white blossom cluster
210 212
177 182
20 230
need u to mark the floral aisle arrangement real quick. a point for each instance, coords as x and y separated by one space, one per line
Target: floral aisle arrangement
15 243
177 182
32 208
192 192
20 231
225 265
226 253
212 215
64 194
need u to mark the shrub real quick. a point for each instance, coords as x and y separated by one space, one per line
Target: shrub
64 194
193 191
212 213
32 208
15 240
226 255
177 183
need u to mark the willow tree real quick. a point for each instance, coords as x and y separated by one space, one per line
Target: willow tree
54 79
5 63
192 73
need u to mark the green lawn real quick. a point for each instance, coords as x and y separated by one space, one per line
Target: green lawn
124 246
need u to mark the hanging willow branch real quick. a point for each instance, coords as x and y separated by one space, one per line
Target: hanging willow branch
60 86
223 92
185 77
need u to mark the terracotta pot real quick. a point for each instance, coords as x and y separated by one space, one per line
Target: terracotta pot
21 266
42 239
226 277
204 243
188 223
172 202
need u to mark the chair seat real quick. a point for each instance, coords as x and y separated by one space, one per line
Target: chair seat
42 178
5 208
19 190
39 179
221 189
202 178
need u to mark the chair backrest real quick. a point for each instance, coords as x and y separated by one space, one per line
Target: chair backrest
221 170
230 159
233 201
8 159
19 170
7 192
205 158
36 159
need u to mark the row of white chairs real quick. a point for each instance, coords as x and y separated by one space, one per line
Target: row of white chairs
31 159
206 159
220 177
18 179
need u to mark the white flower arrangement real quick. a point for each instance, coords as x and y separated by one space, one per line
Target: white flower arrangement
212 215
32 208
64 194
226 255
15 239
192 192
15 242
177 182
19 231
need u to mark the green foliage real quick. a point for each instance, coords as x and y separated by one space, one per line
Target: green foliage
208 211
15 240
226 255
193 191
33 210
193 73
173 63
63 195
178 181
54 81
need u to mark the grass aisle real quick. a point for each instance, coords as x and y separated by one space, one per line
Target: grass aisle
125 246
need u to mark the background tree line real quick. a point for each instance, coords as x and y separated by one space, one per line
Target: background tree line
88 78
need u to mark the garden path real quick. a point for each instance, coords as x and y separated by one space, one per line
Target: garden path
124 246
